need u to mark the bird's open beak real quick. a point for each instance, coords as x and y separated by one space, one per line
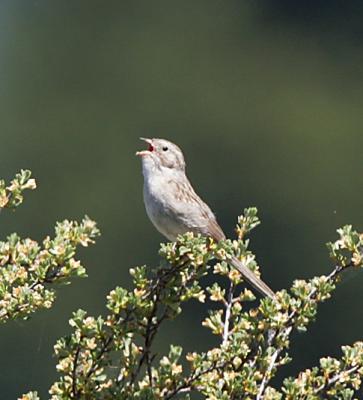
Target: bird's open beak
149 150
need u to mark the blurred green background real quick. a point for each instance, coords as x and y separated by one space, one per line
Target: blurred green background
265 98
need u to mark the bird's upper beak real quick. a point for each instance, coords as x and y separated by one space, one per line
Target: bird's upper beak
150 148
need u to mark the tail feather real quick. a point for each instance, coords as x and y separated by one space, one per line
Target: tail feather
252 279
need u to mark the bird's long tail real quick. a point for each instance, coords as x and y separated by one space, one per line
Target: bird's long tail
251 278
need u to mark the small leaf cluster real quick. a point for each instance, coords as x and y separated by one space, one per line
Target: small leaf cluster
30 396
347 251
11 196
247 222
333 379
28 269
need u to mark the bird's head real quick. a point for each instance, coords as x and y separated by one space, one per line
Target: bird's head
162 154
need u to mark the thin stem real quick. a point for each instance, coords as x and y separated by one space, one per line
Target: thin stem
151 326
149 336
336 378
228 313
74 370
266 376
188 384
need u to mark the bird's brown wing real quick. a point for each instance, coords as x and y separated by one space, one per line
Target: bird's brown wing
194 212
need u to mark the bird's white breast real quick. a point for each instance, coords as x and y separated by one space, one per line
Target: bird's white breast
159 199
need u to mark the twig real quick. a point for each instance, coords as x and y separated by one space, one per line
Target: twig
74 370
187 386
151 326
267 374
105 347
336 378
20 307
154 291
149 336
228 314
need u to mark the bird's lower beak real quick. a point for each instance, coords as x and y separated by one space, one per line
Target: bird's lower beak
149 150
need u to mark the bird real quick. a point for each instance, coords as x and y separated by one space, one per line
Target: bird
174 207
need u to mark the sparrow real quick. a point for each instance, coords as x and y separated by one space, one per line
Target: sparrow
174 207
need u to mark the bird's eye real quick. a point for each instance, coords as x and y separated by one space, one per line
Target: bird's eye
165 148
